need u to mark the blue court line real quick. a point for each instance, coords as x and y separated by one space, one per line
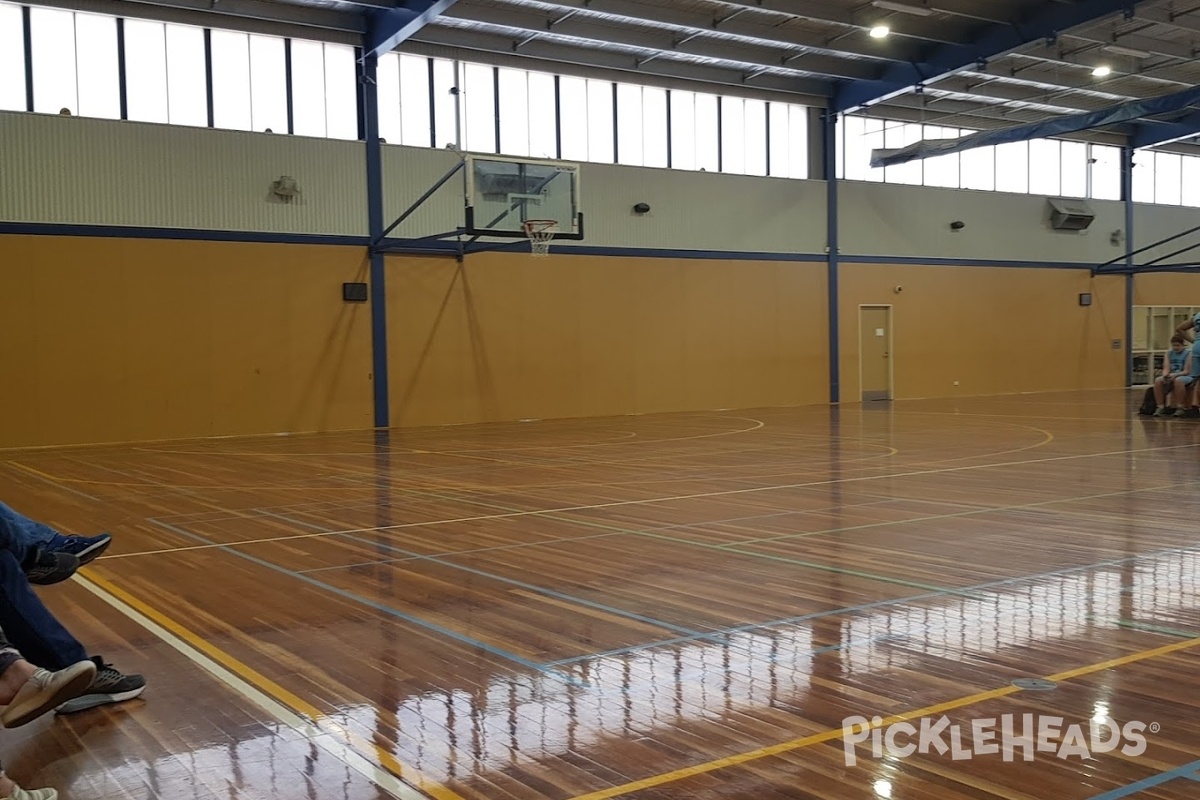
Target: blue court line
607 533
722 636
500 578
733 548
1187 771
967 591
1134 624
881 604
718 637
432 626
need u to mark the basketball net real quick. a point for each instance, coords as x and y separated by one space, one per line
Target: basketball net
540 232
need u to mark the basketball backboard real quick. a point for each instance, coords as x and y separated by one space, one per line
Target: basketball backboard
504 193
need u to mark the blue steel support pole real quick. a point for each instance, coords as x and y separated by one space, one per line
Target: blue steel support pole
27 34
122 78
1127 198
829 144
369 113
288 86
208 77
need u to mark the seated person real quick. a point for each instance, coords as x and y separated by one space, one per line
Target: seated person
1175 379
26 693
32 627
33 538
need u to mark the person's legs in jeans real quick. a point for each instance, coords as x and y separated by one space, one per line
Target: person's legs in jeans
29 624
45 554
18 533
22 537
44 640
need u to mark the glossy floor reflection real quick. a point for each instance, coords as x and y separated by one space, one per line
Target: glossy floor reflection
668 606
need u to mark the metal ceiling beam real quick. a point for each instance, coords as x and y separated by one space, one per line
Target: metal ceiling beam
1135 41
368 3
903 26
935 111
1090 59
1041 23
991 12
606 59
1186 21
973 120
1041 76
991 89
517 60
1023 105
733 24
1125 112
1152 134
388 28
579 27
202 12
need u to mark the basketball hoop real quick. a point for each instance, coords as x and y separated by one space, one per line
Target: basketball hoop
540 232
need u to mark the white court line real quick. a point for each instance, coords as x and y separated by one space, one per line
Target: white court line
311 733
653 500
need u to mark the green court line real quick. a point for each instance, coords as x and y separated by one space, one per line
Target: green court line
617 529
724 548
1145 626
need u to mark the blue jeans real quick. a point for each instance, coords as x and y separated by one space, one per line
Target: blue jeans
18 533
27 623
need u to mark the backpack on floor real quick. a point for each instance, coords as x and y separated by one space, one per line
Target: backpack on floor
1148 406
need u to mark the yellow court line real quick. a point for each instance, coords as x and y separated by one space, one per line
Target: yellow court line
311 714
836 733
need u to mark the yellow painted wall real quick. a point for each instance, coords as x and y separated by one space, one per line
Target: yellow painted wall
506 336
1167 289
105 340
994 330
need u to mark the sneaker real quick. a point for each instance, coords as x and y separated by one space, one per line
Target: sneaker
31 794
86 548
45 690
1180 413
47 567
109 686
1162 411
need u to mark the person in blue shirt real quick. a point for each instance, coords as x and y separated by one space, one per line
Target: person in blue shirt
1188 331
1176 378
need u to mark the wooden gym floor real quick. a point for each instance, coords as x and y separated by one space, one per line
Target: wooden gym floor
667 606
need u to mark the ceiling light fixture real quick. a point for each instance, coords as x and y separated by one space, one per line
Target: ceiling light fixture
880 32
1118 50
1102 71
891 5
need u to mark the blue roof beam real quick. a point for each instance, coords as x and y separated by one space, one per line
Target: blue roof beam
1073 123
390 27
1044 22
1152 134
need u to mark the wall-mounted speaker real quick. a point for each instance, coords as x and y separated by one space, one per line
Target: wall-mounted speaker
1068 214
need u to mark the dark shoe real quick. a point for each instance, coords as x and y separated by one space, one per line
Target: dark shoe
109 686
86 548
46 567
